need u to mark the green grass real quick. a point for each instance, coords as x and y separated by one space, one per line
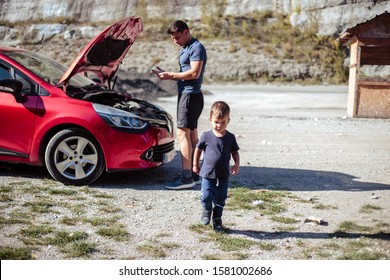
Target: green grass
284 220
67 207
11 253
115 231
369 208
157 247
154 251
228 243
244 198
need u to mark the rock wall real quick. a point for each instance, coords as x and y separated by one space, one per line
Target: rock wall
332 16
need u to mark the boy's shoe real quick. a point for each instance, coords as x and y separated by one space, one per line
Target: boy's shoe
205 219
181 183
217 224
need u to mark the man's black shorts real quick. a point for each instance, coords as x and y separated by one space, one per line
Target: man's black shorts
189 108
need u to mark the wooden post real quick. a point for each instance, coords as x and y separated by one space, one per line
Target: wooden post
354 66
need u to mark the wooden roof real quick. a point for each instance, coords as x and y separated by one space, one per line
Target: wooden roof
375 28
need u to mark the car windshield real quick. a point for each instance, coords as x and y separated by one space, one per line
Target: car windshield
48 69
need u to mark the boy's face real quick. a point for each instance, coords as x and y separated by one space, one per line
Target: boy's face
219 124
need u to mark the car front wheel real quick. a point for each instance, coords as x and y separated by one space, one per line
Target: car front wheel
74 157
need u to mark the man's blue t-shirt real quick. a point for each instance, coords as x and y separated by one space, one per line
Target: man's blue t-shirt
193 51
216 154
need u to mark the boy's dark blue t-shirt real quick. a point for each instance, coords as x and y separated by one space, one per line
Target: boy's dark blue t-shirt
216 154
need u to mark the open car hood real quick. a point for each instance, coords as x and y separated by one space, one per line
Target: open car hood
105 52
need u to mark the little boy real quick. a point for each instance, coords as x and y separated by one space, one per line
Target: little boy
218 145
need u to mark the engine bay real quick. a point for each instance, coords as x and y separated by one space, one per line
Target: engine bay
122 101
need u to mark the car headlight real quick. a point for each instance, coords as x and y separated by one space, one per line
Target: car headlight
119 118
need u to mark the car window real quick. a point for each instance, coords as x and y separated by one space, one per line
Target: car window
28 86
47 69
5 72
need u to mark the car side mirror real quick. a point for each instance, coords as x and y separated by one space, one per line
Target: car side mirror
13 87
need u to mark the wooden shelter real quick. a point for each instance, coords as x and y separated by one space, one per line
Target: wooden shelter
369 42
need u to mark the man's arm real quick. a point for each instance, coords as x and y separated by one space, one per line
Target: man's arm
191 74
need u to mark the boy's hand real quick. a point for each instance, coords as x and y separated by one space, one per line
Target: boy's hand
234 169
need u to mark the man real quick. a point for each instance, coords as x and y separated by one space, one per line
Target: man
192 61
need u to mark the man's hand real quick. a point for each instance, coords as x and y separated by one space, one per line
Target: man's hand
158 70
162 74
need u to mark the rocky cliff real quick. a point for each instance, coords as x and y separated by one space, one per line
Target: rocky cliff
52 26
331 15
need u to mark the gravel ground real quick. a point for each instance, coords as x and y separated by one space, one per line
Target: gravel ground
293 139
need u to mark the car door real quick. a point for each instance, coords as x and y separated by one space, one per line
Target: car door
17 119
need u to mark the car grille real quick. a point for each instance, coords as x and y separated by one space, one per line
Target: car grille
156 153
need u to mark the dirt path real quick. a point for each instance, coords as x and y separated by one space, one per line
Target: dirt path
294 140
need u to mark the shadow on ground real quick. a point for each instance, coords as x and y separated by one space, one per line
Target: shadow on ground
253 177
307 235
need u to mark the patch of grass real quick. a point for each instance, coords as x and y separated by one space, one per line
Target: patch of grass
37 231
360 250
352 227
41 206
42 198
97 221
79 209
228 243
267 246
61 238
11 253
65 192
369 208
286 229
12 221
284 220
5 198
244 198
152 250
115 231
79 249
71 221
234 256
110 209
200 229
365 255
103 195
321 206
18 183
157 248
5 189
163 234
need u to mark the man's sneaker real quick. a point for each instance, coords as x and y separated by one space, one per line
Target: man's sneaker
217 224
205 219
181 183
196 178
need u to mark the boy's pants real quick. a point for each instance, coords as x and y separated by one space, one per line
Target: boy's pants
214 193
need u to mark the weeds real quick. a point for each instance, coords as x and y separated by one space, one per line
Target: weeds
369 208
50 199
11 253
156 248
115 231
266 201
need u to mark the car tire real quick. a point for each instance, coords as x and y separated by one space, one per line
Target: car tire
74 157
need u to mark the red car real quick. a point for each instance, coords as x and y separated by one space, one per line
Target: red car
77 126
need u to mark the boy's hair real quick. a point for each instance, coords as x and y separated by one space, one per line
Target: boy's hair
219 109
177 26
